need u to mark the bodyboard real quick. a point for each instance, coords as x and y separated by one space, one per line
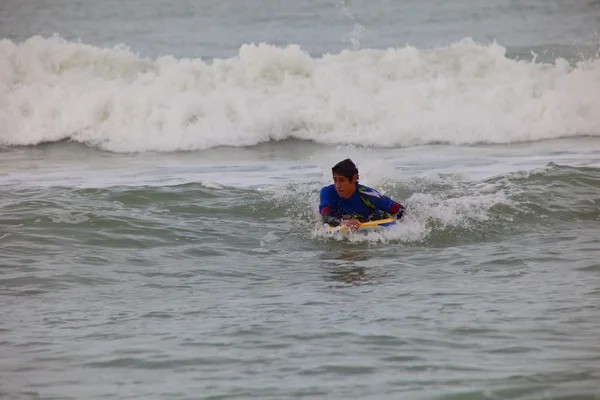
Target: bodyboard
364 226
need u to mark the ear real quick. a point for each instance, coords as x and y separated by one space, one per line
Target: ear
355 178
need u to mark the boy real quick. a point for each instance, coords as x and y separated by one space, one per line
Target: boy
348 203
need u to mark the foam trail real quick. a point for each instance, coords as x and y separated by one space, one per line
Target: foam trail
467 93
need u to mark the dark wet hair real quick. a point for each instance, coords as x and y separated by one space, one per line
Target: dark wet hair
345 168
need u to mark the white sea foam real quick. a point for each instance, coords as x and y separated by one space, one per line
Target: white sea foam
51 89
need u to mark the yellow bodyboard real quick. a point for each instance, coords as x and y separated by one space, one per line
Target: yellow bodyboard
368 224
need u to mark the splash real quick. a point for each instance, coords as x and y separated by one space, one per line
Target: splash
358 31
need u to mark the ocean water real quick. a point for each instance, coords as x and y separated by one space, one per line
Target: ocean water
160 164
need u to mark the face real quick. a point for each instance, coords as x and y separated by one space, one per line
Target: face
344 186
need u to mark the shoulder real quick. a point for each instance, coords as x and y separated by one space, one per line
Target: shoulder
328 190
367 191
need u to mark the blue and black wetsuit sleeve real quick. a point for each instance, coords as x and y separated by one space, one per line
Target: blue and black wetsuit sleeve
397 209
329 217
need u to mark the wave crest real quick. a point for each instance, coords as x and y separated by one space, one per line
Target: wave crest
467 93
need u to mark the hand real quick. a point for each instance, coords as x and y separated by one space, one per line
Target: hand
400 213
351 224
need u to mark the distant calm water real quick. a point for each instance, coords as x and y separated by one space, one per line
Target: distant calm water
160 164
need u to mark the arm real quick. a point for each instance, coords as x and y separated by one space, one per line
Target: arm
381 202
332 220
397 209
329 218
329 214
327 209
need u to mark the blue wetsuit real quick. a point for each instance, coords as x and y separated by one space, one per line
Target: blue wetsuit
364 204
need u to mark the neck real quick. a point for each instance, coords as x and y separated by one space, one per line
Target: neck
351 193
